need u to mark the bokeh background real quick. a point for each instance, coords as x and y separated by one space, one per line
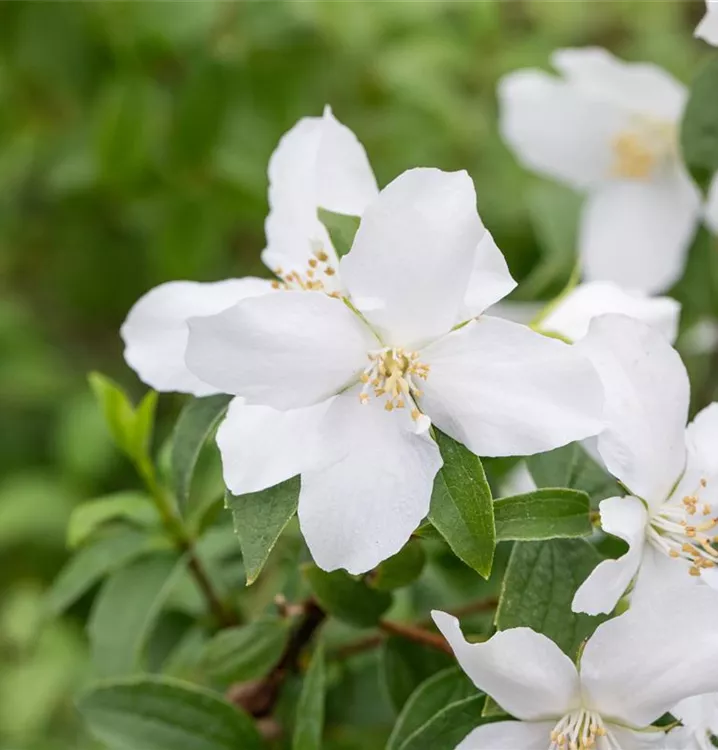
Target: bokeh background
134 141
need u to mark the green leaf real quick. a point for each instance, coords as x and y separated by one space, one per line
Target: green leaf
572 467
259 519
431 697
539 585
406 665
126 610
543 514
699 130
461 506
347 598
195 424
94 562
152 713
309 724
445 729
401 569
341 228
247 652
133 507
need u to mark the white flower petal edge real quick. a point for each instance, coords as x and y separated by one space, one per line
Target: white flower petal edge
707 29
509 735
512 667
362 507
710 212
699 716
155 331
624 517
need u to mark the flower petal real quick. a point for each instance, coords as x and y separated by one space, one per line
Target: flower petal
502 389
509 735
490 279
284 350
708 27
573 314
629 739
362 507
261 447
626 518
557 129
525 672
710 211
639 665
637 233
413 255
659 572
699 714
155 331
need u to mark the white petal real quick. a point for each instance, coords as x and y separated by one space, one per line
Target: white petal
639 665
557 129
413 254
518 481
155 331
708 27
490 279
284 350
659 572
624 517
711 206
573 314
363 507
262 447
701 474
509 735
699 713
525 672
637 233
638 87
647 393
502 389
629 739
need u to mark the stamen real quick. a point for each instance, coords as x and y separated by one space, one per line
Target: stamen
640 148
579 730
308 280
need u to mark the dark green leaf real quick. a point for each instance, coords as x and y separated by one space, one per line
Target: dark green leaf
461 506
152 713
341 228
259 519
401 569
445 729
195 424
125 612
347 598
699 130
539 586
543 514
431 697
309 724
247 652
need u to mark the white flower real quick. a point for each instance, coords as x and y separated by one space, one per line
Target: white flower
699 716
356 379
708 28
632 670
610 129
711 207
670 516
319 163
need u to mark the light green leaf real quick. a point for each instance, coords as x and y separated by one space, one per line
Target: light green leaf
432 696
445 729
134 507
152 713
401 569
195 424
126 610
461 506
699 130
259 519
540 582
309 724
247 652
543 514
341 228
347 598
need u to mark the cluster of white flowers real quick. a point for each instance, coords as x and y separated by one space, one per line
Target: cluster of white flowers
340 366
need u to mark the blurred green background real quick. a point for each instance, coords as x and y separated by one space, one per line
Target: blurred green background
134 141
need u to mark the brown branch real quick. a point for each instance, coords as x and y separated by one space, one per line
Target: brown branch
418 635
225 617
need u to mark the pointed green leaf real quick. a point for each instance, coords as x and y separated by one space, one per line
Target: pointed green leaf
153 713
445 729
699 130
341 228
461 506
401 569
543 514
309 725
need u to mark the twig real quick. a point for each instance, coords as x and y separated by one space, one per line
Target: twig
418 635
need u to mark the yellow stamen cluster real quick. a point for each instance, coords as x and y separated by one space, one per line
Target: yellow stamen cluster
639 150
316 278
577 731
392 372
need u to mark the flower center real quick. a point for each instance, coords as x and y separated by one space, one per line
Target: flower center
392 372
319 275
686 532
578 731
639 150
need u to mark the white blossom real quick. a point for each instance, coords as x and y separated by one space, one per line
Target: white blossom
699 716
342 390
633 669
708 28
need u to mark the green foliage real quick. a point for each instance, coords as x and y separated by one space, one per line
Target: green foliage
309 724
135 508
461 506
341 228
699 130
401 569
446 728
